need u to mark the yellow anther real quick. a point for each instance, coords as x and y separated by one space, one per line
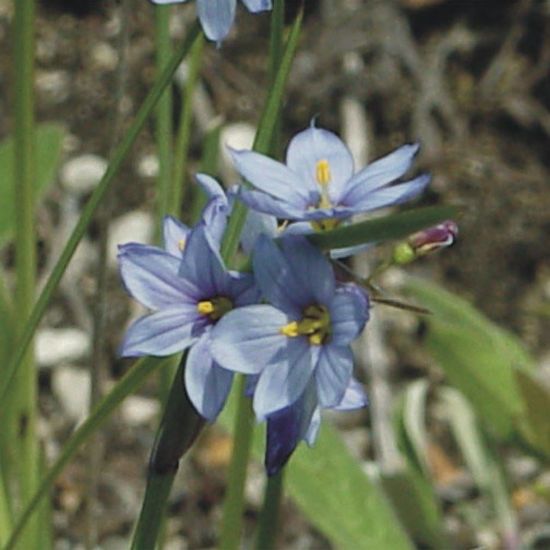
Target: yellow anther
316 339
291 330
322 172
205 307
325 224
181 244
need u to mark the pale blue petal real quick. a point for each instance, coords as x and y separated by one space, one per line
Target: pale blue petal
345 252
390 196
311 268
276 278
354 397
257 200
333 373
202 265
207 384
151 276
379 173
162 333
256 6
216 17
310 146
161 2
298 228
271 177
174 235
257 224
246 339
349 311
313 430
282 382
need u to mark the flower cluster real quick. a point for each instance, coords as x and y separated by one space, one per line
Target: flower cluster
289 324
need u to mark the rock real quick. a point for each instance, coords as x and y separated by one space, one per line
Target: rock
137 410
60 345
71 386
53 86
81 174
236 136
136 227
148 166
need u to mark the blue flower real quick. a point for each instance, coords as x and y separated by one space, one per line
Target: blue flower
188 296
301 421
318 184
216 16
304 333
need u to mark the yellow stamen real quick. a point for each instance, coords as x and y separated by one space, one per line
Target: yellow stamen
290 330
205 307
326 224
181 244
322 172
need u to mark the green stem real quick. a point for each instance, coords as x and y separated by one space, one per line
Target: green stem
181 155
87 214
25 248
178 429
131 381
268 526
234 498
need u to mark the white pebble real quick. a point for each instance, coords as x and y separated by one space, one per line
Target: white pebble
134 227
81 174
60 345
71 386
137 410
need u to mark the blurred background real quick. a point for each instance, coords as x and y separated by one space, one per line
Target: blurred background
468 79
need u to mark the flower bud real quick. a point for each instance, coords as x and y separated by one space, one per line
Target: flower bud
425 242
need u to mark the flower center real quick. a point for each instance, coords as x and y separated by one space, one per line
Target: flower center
323 177
181 244
215 308
315 324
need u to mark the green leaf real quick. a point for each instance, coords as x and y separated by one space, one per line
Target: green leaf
534 427
477 356
394 226
49 140
339 499
333 492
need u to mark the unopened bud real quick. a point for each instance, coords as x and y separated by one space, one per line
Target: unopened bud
425 242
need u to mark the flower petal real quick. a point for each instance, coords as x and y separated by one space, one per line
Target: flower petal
255 6
216 17
309 147
282 382
257 223
313 429
271 177
262 202
333 374
162 333
174 235
151 276
379 173
391 196
246 339
286 428
310 267
207 384
349 311
354 397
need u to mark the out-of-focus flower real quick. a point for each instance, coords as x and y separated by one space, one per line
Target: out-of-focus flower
302 335
425 242
188 296
216 16
318 183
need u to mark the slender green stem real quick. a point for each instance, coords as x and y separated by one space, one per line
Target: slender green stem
179 427
87 214
164 125
234 502
131 381
25 249
268 526
234 499
181 154
5 512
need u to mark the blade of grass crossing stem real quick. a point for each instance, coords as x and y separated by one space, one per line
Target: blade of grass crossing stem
25 253
263 140
86 217
234 501
183 140
131 381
